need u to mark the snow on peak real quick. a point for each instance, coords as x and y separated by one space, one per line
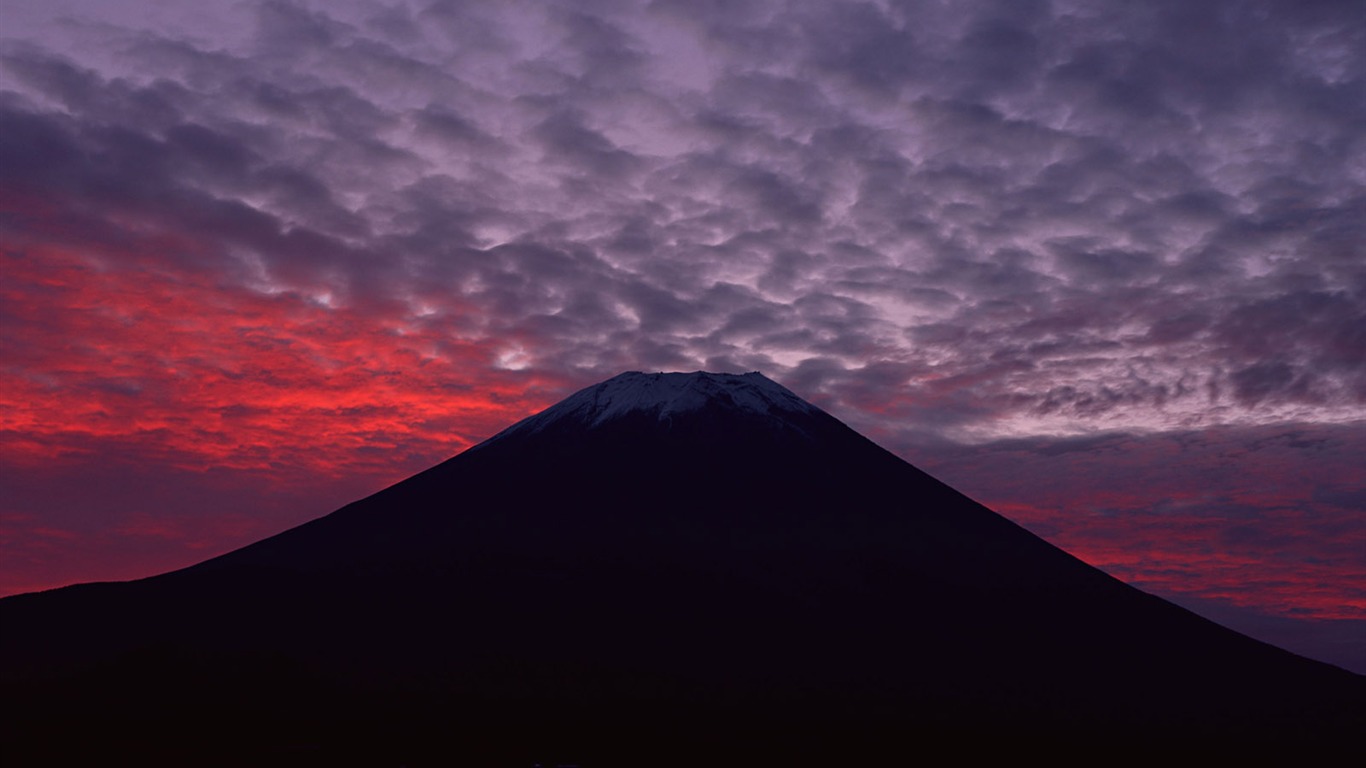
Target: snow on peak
663 395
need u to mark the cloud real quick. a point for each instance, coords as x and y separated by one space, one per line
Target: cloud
291 238
1004 193
1174 512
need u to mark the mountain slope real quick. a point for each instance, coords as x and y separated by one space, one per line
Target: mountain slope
666 558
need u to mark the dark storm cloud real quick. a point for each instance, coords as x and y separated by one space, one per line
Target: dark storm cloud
566 138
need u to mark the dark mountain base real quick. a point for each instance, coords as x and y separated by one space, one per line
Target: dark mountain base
324 728
263 712
559 681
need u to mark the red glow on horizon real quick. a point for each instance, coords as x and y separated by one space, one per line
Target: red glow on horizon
134 389
1184 556
232 377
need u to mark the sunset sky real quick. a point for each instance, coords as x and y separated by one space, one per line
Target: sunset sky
1099 265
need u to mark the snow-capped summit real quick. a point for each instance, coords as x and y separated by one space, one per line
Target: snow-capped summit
665 396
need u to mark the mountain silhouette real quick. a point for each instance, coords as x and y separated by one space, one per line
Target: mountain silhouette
660 569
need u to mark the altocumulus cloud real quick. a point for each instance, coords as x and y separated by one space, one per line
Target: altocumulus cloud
398 225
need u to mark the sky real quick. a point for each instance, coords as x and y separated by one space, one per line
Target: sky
1099 265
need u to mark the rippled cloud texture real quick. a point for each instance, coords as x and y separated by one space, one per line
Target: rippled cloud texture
1097 264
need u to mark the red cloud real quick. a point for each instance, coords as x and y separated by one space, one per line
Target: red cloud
128 360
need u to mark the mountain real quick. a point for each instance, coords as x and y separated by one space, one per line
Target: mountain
660 569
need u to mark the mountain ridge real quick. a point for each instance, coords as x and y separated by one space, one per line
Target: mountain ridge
685 570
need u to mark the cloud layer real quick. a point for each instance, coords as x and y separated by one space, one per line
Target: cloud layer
346 239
